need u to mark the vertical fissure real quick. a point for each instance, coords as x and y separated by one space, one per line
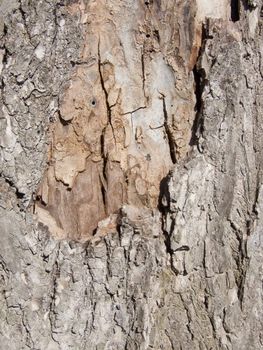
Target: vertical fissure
164 210
235 10
24 18
200 82
108 107
103 177
168 132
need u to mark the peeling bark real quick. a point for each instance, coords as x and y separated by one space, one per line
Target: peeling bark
131 174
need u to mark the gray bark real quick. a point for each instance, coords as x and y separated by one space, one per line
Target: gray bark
97 255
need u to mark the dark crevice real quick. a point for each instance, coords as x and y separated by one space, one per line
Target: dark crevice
167 240
19 195
183 248
78 63
104 157
5 30
6 55
119 224
103 180
200 82
108 107
56 24
206 300
156 35
255 202
199 87
40 201
24 18
235 10
62 121
52 301
198 128
170 139
185 273
164 209
103 193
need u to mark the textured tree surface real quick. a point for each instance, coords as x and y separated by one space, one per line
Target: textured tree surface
131 202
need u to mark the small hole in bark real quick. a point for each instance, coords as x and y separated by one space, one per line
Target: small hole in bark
148 35
235 7
147 3
148 157
93 102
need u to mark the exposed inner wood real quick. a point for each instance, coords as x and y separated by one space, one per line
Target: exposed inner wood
126 115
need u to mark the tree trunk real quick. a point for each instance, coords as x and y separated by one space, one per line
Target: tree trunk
131 174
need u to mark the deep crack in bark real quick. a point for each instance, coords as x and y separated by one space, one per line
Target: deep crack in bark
169 134
200 82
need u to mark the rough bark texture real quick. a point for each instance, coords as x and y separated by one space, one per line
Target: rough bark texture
131 205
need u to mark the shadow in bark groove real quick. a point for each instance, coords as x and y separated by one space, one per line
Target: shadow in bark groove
164 209
235 9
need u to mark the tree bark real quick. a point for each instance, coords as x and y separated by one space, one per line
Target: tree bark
131 174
